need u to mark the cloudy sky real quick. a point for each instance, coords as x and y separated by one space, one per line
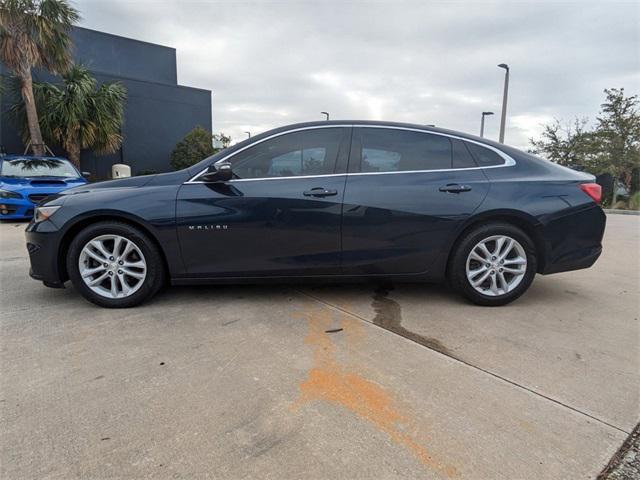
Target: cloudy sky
271 63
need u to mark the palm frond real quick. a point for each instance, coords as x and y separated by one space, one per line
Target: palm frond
77 114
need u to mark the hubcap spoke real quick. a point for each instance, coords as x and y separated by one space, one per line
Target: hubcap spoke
99 248
502 282
125 287
474 256
92 271
94 255
496 265
127 249
114 286
515 271
473 273
116 246
116 258
483 248
515 261
98 280
480 281
494 285
139 264
133 273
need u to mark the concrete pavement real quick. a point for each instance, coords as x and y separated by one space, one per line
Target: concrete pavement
245 382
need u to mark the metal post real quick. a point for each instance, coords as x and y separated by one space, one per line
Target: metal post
327 114
504 100
484 114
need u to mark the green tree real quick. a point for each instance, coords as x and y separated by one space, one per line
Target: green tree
612 146
618 136
35 33
222 140
79 114
197 145
571 145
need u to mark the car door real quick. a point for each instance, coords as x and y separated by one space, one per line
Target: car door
280 215
406 192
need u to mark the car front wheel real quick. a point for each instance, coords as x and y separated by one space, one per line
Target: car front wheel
115 265
493 264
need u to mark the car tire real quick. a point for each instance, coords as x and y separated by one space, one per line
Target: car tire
480 276
135 264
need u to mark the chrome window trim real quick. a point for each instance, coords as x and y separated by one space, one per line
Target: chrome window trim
508 160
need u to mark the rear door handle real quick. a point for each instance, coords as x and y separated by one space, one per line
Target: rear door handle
320 192
455 188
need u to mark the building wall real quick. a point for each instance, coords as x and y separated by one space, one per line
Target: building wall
158 111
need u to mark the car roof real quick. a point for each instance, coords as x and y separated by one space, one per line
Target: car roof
378 123
344 123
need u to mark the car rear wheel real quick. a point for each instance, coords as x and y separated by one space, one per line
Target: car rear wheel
115 265
493 264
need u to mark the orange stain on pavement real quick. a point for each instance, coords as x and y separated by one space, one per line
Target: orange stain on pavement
329 381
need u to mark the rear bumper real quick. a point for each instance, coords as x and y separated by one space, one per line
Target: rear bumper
43 246
573 240
583 258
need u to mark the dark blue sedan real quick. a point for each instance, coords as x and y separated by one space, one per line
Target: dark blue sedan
339 201
25 181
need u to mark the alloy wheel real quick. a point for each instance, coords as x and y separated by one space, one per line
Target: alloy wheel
496 265
112 266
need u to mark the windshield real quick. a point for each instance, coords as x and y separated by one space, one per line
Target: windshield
38 167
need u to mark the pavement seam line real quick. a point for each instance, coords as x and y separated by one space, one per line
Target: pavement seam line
488 372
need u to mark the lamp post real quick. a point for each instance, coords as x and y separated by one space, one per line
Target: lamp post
504 100
484 114
327 114
248 134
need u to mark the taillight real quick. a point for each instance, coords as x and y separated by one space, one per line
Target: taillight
593 190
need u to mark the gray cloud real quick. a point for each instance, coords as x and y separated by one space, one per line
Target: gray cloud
273 63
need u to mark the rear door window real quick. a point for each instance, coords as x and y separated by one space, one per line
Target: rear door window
392 150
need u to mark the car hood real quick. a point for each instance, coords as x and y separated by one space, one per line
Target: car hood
129 182
48 183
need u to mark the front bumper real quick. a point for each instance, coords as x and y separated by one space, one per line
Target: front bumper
43 245
16 208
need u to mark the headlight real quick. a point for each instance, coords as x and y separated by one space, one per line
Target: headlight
44 213
9 194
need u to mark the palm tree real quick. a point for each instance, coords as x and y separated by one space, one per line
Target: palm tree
79 114
35 33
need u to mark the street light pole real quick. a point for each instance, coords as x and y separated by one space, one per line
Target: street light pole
504 100
248 134
327 114
484 114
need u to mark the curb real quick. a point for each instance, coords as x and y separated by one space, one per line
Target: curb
621 212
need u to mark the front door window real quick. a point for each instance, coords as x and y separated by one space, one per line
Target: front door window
304 153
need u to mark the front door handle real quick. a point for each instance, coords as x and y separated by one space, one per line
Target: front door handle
455 188
320 192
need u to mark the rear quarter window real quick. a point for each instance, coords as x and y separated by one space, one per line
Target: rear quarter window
483 156
461 156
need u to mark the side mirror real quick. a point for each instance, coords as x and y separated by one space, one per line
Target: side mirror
218 173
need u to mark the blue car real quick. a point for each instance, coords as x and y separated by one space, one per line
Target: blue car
27 180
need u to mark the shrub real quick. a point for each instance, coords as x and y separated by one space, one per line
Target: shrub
195 146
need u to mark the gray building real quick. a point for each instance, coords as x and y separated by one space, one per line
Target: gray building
158 111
